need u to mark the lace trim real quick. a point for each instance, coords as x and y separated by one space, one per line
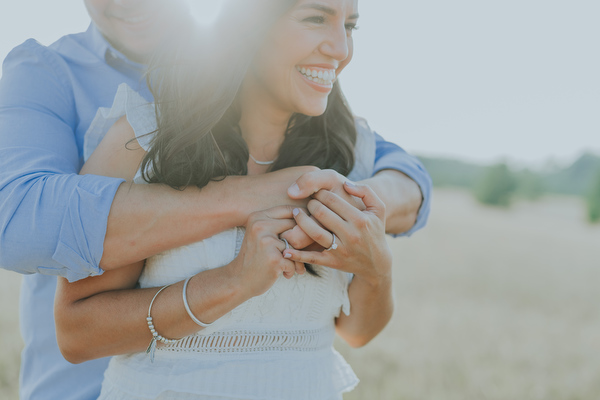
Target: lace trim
240 341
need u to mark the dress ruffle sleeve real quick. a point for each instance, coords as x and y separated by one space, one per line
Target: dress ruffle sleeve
140 115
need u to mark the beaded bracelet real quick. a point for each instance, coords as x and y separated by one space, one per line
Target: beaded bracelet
187 307
156 337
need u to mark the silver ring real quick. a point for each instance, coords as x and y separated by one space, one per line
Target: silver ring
287 245
333 244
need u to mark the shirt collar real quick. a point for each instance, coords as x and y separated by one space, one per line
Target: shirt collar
105 51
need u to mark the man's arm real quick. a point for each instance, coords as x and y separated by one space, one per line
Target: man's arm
407 196
49 216
402 197
399 180
55 222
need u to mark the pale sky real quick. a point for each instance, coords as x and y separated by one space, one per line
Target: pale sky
476 79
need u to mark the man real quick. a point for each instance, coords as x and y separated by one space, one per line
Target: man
54 222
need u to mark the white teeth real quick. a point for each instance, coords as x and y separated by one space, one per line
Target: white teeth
321 77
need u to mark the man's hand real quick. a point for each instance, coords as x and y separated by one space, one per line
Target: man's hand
327 179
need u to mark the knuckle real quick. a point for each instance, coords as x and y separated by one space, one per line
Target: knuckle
316 208
264 241
320 237
330 172
325 195
362 222
287 235
252 218
295 242
273 259
256 228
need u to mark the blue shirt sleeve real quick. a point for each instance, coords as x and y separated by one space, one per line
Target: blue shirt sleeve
390 156
52 220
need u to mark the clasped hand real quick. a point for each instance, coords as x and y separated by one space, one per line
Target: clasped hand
352 212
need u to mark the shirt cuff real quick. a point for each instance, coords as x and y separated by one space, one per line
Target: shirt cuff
413 168
81 239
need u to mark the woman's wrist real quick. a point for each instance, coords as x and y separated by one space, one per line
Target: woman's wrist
235 284
376 277
213 293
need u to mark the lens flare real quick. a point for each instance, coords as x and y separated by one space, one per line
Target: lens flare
205 11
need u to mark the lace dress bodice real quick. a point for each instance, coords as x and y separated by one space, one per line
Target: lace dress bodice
278 345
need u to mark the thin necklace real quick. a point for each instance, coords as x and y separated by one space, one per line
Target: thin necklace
261 162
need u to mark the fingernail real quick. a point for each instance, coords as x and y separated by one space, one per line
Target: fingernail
294 190
351 184
287 255
296 212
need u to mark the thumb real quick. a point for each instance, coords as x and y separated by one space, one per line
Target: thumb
310 183
368 196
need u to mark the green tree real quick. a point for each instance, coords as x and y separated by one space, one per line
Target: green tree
497 186
593 200
530 185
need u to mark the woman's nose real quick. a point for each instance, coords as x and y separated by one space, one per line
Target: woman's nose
337 44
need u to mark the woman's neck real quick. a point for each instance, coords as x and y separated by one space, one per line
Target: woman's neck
263 127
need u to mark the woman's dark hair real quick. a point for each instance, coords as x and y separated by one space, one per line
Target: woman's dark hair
195 85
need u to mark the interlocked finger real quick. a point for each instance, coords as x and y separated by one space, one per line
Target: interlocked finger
313 228
326 217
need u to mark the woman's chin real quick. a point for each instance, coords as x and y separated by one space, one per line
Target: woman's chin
313 110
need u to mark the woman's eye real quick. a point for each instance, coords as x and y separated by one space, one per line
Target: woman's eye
316 19
351 26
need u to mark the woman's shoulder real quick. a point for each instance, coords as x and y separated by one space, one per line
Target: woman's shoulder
113 133
364 151
129 105
141 114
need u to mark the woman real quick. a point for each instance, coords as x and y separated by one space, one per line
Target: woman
247 332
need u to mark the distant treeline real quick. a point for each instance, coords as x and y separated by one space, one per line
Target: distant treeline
499 183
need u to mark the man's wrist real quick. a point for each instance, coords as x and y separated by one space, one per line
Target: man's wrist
226 199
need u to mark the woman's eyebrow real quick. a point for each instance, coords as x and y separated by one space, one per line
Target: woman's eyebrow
320 7
325 9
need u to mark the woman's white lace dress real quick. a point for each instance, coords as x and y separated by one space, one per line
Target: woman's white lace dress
274 346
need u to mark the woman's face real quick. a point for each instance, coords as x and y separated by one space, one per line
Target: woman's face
303 55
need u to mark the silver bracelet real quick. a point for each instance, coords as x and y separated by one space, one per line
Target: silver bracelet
156 337
187 306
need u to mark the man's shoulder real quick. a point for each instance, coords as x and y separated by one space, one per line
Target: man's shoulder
73 42
76 47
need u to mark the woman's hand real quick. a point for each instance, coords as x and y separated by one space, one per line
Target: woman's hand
307 185
361 249
260 260
360 235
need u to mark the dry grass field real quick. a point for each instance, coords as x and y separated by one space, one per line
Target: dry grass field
490 304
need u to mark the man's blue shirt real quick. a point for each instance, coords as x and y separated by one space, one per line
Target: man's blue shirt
52 220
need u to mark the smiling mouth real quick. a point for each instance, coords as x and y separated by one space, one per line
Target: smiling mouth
136 19
318 75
